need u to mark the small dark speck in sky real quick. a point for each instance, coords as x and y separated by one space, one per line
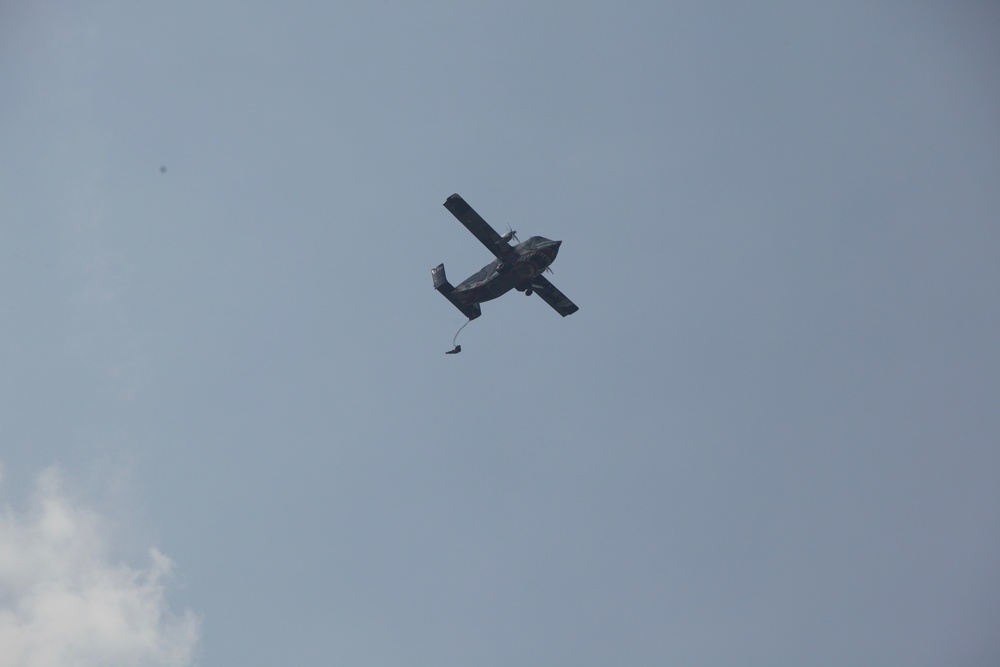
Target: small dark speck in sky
163 170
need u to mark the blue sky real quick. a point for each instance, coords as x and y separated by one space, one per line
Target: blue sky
768 437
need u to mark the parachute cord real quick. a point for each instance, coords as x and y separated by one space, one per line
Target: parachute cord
457 348
459 331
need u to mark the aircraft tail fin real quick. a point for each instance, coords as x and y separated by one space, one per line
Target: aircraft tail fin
441 284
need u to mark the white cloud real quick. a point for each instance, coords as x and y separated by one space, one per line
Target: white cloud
64 603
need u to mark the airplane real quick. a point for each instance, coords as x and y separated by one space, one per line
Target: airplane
517 267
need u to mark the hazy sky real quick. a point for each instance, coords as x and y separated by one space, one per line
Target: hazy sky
229 435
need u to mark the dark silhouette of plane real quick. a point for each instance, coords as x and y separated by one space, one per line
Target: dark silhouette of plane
517 267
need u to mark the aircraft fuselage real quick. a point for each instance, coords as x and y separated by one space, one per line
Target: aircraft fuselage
515 271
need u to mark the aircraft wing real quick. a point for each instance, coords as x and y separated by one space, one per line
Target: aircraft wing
479 227
552 296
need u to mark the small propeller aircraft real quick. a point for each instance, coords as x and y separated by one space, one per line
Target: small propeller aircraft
517 267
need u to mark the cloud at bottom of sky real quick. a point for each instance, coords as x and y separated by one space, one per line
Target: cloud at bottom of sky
64 601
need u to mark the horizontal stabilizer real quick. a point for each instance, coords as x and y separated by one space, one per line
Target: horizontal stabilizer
441 284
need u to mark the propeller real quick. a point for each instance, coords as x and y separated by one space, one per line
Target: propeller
511 234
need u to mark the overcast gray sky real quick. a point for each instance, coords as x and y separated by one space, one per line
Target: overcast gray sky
228 431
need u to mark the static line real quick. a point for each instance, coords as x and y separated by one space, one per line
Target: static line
457 348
